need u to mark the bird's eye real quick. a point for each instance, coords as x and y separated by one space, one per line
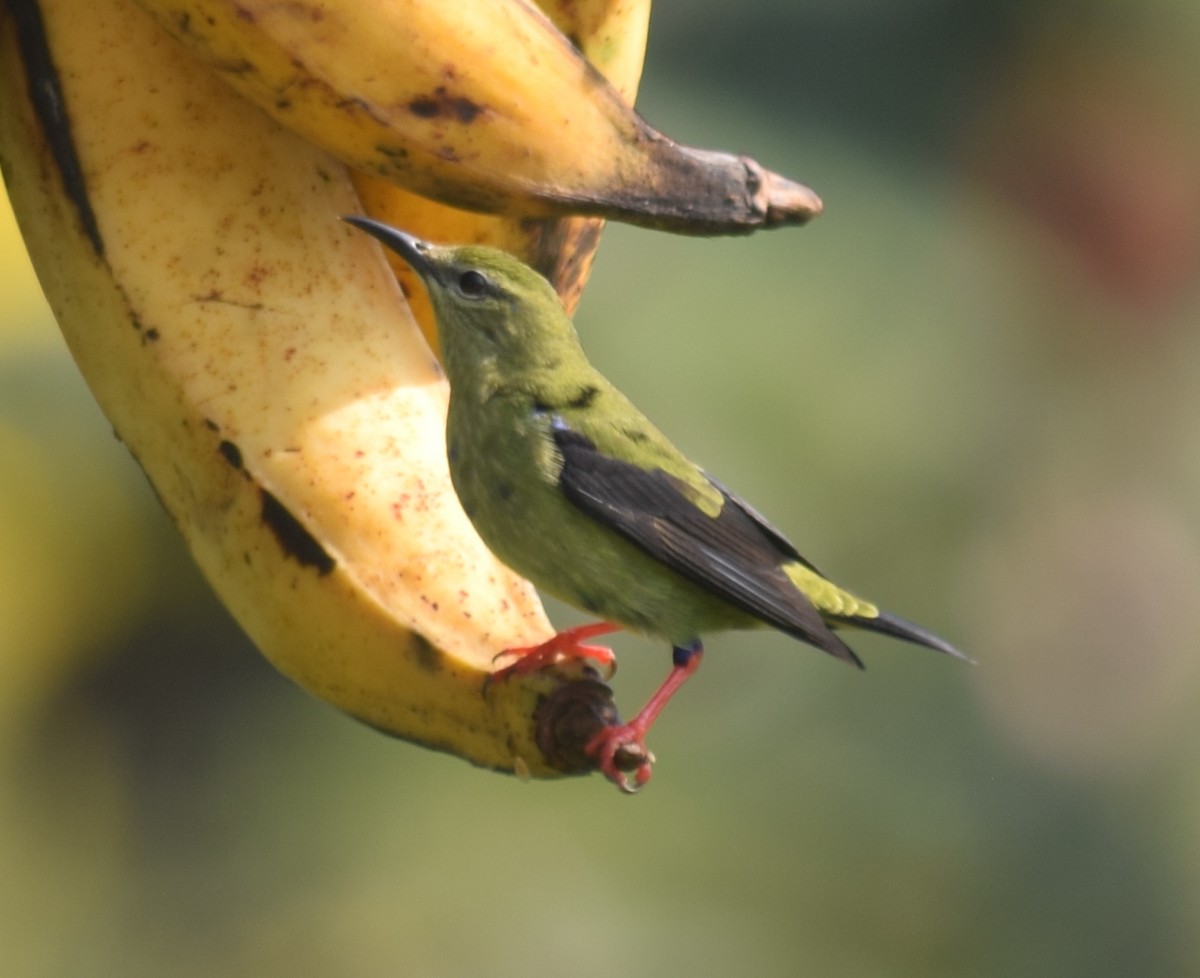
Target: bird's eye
473 284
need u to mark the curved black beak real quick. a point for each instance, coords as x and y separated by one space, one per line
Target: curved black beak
412 250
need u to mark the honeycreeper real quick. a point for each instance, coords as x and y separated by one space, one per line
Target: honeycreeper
573 488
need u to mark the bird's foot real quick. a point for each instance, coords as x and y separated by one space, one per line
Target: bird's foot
620 750
567 644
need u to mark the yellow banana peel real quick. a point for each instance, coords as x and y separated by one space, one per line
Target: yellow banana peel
257 358
482 104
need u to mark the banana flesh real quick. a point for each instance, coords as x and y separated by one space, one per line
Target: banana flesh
481 104
255 355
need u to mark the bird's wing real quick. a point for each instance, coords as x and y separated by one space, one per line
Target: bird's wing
732 552
784 545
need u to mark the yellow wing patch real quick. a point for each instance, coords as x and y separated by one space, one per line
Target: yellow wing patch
701 494
828 598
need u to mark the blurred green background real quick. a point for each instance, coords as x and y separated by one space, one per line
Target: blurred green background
971 390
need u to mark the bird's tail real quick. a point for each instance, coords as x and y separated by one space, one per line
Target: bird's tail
888 624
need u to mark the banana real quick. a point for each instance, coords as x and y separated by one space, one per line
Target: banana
611 34
481 104
257 358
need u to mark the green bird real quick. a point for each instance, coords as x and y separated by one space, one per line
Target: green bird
572 487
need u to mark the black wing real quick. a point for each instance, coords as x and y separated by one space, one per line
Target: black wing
784 545
736 554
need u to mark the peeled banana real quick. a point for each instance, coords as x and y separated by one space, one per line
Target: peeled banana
482 104
256 356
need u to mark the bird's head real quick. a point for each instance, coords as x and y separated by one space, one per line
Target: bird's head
490 307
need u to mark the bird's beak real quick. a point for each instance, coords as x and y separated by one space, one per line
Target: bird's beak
412 250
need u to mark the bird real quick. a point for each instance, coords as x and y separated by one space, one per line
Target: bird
575 489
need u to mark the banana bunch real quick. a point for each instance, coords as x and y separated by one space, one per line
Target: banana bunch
259 358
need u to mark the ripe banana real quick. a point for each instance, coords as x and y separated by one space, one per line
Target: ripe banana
256 356
481 104
611 34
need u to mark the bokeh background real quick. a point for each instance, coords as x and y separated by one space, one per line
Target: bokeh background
971 390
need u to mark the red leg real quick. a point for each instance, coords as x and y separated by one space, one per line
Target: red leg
568 644
605 745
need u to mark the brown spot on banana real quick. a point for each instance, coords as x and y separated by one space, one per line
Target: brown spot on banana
295 540
426 655
442 103
232 454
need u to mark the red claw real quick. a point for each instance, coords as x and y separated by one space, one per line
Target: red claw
566 644
616 750
622 748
